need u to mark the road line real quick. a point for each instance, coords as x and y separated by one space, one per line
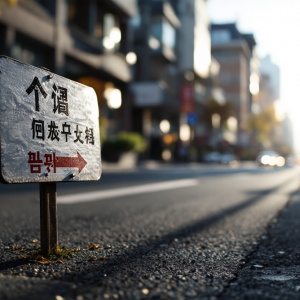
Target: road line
132 190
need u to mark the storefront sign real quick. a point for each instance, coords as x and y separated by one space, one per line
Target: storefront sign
187 99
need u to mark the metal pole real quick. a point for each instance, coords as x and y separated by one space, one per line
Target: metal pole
48 215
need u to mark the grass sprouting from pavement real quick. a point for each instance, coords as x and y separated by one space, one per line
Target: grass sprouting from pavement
62 252
59 252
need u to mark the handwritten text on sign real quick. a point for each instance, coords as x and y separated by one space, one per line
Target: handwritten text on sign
55 126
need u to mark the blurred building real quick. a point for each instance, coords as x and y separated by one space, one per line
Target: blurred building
281 137
194 45
266 93
239 72
273 72
155 90
288 137
196 72
173 75
269 83
83 40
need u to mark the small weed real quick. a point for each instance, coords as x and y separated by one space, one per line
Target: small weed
63 252
59 252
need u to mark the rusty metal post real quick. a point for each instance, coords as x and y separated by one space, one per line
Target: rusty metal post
48 216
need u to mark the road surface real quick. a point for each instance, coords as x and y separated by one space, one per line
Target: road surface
168 232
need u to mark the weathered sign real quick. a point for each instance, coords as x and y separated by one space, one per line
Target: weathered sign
49 126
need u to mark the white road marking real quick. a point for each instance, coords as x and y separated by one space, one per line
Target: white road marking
132 190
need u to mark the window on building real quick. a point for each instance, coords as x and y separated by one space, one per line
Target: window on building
98 27
111 32
31 52
220 36
163 31
107 29
136 21
169 34
78 14
225 53
49 5
156 27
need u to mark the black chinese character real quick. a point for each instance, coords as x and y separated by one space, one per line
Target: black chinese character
89 135
38 129
53 132
36 86
78 135
60 97
68 132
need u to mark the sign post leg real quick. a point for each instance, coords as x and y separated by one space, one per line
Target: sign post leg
48 215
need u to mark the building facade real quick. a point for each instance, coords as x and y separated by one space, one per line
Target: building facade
239 72
85 41
155 89
173 75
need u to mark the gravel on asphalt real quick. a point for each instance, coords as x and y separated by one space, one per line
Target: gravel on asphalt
170 245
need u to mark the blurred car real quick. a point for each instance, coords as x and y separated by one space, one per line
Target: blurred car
270 158
227 159
212 157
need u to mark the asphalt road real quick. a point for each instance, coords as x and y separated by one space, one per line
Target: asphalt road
167 232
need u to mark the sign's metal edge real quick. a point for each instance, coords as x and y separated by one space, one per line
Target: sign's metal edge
2 179
46 71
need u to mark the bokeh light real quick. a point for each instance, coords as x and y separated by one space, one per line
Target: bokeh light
131 58
164 126
166 155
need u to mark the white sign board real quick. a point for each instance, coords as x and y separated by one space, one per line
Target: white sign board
147 93
49 126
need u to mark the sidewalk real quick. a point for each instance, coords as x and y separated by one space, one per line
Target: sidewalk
273 271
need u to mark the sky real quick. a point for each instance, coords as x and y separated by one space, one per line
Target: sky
276 27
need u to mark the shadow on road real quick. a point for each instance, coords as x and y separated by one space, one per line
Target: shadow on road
109 267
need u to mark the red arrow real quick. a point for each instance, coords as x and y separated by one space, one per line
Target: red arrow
71 162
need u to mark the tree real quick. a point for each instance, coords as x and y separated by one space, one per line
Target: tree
262 124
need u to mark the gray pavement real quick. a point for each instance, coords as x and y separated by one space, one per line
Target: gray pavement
273 271
190 242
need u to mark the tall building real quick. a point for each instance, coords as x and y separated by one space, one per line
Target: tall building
194 45
173 74
155 90
83 40
288 135
273 72
269 84
199 71
266 93
239 70
281 134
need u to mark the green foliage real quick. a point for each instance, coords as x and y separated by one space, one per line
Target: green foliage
137 142
63 252
263 123
103 127
121 143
